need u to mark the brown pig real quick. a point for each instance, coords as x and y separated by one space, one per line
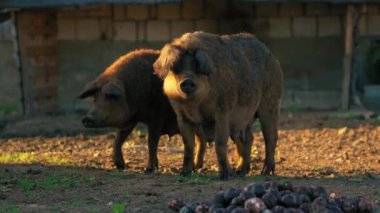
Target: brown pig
126 93
223 83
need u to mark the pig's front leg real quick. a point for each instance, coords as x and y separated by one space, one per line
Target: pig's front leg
221 138
121 135
201 143
187 130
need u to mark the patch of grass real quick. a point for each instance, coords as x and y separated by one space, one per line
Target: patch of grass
293 108
257 126
27 185
88 179
20 157
196 179
76 203
116 173
375 121
348 115
127 197
117 208
8 108
53 181
9 208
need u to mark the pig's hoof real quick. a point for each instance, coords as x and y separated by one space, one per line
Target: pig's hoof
241 173
242 170
268 170
185 173
120 165
150 170
226 175
198 166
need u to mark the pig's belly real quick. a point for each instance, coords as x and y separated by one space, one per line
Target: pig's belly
241 117
238 123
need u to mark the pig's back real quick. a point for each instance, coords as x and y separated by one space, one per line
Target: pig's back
144 92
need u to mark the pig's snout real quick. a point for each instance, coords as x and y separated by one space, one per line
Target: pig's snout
188 86
88 122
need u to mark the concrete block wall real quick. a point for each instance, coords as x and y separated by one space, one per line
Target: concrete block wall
294 31
308 31
162 22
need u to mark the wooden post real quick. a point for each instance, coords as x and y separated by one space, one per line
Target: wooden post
347 61
18 57
37 30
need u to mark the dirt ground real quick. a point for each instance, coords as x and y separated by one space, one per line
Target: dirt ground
52 164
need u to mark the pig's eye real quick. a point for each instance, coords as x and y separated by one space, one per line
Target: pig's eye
112 97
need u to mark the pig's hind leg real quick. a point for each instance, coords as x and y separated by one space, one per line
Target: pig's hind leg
269 115
154 133
243 147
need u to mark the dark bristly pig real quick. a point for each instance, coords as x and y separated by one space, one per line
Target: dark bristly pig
127 93
223 83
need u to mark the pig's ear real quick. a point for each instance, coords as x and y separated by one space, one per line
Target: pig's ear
169 54
205 63
89 90
113 90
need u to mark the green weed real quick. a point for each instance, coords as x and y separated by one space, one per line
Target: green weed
118 208
27 185
9 208
293 108
196 179
8 108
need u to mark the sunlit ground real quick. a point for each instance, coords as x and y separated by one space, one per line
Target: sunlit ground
337 150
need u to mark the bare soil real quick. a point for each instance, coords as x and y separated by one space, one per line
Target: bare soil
52 164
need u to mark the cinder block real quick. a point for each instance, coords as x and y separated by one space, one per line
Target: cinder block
87 29
66 29
69 12
374 25
192 9
260 26
266 9
105 25
118 12
216 8
207 25
168 11
137 12
230 26
370 9
329 26
317 9
363 25
338 9
125 30
180 27
94 11
152 9
279 27
158 31
240 9
141 31
291 9
7 30
305 27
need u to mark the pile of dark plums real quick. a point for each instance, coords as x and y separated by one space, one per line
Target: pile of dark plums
277 198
